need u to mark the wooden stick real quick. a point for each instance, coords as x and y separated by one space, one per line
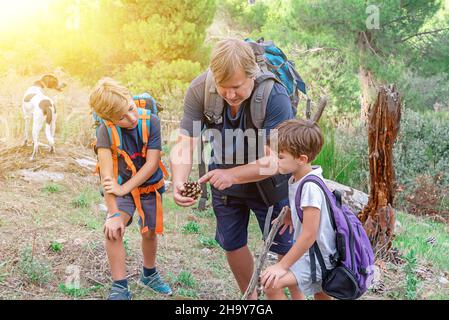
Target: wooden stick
319 112
308 108
278 222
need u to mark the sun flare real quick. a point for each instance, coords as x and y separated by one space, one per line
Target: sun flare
13 12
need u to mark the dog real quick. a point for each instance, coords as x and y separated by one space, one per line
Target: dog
37 105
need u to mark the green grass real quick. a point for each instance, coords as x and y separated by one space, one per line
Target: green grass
188 293
410 275
208 242
85 199
56 246
52 188
415 232
186 279
76 292
3 273
170 204
192 227
208 213
35 270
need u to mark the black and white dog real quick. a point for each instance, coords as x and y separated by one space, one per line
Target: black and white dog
41 108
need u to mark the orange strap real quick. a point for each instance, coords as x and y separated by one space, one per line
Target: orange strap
164 169
144 117
136 192
159 209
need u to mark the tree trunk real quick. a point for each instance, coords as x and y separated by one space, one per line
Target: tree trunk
367 85
378 215
367 92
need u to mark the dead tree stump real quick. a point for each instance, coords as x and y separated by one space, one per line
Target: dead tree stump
378 215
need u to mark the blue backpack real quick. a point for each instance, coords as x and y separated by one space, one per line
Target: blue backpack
353 264
274 67
273 59
142 100
146 101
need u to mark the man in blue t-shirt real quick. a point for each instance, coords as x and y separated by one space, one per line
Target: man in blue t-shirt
233 171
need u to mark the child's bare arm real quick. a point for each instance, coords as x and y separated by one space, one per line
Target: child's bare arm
114 227
107 172
310 225
311 222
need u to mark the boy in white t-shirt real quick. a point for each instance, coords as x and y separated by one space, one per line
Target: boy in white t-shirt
298 144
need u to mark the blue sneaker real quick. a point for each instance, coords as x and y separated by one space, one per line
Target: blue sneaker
119 292
155 283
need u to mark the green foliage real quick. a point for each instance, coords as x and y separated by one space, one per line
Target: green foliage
410 275
35 270
208 242
163 79
155 46
422 147
189 293
76 292
248 16
344 156
85 198
81 201
186 279
426 93
334 29
56 246
191 227
413 237
52 188
207 213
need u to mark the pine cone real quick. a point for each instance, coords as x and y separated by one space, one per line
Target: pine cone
191 190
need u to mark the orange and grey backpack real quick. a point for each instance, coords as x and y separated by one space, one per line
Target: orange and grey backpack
115 135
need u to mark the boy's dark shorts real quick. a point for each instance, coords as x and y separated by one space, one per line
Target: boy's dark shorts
232 216
126 204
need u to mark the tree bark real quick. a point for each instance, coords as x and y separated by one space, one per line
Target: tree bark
367 84
378 215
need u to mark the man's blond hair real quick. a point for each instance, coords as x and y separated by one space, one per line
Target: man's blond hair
109 98
300 137
228 56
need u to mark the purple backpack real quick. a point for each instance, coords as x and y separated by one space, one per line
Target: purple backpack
353 263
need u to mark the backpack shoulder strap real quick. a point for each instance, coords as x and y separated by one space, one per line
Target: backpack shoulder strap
213 103
264 84
327 194
115 134
143 127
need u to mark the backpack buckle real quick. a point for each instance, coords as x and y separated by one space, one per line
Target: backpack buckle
212 118
334 258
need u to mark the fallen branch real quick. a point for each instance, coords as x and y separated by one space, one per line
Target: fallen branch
355 200
278 222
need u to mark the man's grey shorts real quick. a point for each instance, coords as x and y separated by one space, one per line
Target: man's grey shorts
126 204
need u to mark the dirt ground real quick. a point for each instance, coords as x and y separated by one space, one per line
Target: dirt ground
51 237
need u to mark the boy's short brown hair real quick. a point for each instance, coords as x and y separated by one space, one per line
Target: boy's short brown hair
300 137
109 98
